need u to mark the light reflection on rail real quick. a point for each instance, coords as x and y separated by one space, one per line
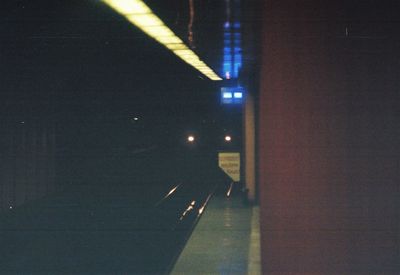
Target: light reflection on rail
168 194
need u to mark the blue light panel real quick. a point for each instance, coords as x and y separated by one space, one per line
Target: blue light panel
232 95
232 51
227 95
238 95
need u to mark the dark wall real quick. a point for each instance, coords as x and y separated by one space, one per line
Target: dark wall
27 163
329 138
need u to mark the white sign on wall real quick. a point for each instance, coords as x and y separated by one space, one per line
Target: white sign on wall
229 162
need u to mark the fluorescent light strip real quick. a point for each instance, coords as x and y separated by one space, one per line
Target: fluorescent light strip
128 6
140 15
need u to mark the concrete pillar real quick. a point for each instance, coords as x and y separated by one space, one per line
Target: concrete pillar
249 147
328 141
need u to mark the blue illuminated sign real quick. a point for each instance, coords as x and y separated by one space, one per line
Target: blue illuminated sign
226 95
238 95
232 95
232 58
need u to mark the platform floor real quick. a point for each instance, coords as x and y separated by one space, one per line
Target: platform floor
226 240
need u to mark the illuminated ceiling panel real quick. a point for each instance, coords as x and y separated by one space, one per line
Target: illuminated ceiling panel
139 14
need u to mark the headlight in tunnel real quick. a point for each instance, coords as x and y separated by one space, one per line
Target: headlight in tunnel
228 138
190 139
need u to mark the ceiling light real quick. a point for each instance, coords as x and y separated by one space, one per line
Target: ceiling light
139 14
125 7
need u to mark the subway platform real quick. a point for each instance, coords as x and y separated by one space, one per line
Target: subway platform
226 240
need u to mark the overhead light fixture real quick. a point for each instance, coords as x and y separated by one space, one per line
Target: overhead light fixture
128 6
140 15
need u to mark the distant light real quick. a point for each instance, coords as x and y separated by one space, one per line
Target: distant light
190 138
238 95
227 95
227 75
10 207
135 118
228 138
140 15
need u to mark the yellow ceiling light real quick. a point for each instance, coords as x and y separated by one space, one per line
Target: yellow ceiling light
168 40
183 52
139 14
158 31
125 7
176 46
145 20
